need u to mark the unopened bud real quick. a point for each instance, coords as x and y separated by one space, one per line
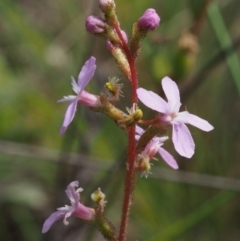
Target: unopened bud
149 20
122 61
110 46
125 37
95 25
107 5
113 40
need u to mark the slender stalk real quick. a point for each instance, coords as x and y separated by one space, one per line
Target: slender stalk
128 184
129 179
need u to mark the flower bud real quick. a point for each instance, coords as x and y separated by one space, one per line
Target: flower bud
149 20
114 41
125 37
122 61
110 46
107 5
95 25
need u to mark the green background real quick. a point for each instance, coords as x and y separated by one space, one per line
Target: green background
44 43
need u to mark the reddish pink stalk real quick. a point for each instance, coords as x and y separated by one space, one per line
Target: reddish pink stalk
129 179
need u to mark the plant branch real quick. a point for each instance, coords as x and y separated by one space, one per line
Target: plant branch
129 179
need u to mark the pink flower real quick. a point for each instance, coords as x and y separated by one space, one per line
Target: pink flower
95 25
77 209
82 96
181 136
149 20
154 146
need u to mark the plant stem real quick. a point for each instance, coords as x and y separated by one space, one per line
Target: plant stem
129 179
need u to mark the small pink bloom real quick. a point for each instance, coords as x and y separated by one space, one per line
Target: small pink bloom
82 96
76 209
181 136
149 20
154 146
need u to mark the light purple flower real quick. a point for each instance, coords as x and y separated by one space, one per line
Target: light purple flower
154 146
81 96
181 136
95 25
149 20
77 209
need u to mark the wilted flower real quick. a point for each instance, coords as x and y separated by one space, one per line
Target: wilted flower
181 136
82 96
154 146
76 209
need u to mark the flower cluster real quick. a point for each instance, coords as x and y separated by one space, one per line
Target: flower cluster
143 144
168 114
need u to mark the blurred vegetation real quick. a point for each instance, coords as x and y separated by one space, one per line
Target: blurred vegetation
42 44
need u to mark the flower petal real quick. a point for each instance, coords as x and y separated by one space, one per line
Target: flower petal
152 100
199 123
69 115
182 140
86 73
151 148
67 98
52 219
171 91
139 130
84 212
161 139
181 117
168 158
88 99
71 192
68 214
74 85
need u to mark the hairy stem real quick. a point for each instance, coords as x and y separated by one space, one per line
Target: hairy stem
129 179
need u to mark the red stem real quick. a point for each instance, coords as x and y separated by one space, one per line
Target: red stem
129 179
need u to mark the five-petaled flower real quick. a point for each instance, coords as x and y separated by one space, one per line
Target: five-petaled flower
77 209
154 146
181 136
82 96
